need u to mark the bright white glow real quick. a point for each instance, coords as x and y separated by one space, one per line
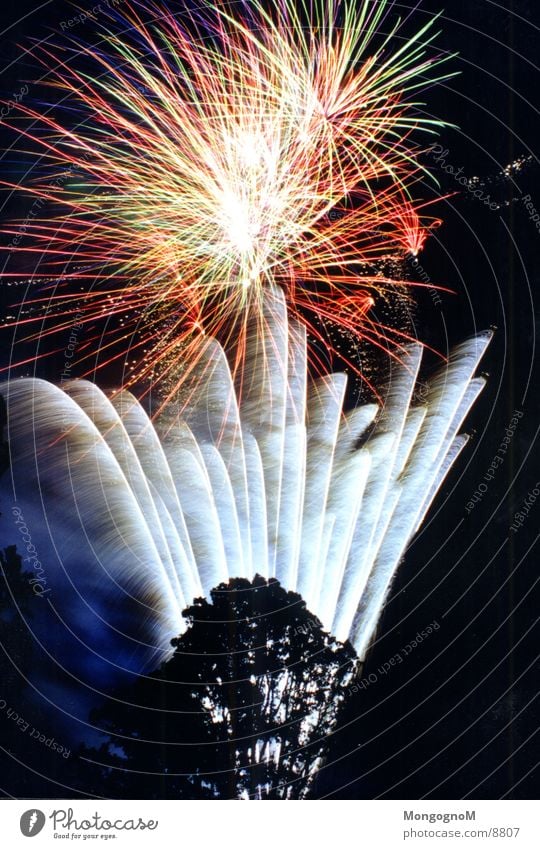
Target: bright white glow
274 483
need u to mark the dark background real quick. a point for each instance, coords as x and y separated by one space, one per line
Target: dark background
458 717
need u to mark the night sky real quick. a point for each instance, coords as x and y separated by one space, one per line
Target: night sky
458 716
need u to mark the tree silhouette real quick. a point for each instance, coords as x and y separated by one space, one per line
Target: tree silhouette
242 709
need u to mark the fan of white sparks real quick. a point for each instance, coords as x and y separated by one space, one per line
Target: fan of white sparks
131 519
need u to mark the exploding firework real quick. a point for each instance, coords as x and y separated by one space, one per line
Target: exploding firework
235 184
214 158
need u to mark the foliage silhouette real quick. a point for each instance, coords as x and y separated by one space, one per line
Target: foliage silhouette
242 709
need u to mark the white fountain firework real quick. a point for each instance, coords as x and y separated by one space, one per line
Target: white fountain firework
132 518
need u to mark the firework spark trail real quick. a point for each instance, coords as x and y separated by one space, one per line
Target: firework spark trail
211 158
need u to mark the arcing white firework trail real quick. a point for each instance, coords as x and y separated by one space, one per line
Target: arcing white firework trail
274 481
209 199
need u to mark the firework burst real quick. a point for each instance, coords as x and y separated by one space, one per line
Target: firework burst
215 158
